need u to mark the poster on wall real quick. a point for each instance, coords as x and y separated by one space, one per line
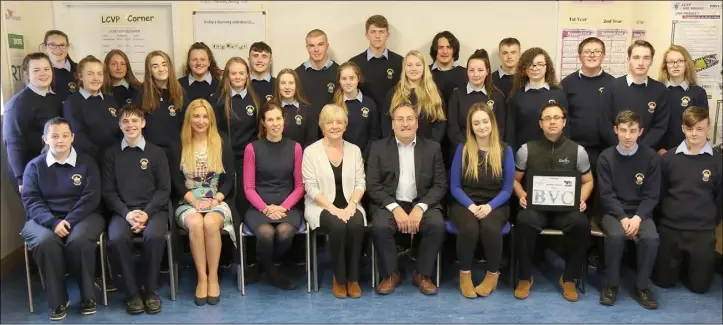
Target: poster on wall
15 45
229 33
638 35
616 42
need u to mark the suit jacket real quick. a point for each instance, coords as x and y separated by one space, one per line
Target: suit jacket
319 178
383 172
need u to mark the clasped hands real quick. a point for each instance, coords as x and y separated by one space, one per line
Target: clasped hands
275 212
344 214
480 211
631 226
137 219
408 223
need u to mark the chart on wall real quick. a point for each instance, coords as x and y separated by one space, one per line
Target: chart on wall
134 29
229 33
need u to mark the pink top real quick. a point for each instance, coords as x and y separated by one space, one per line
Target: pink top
249 170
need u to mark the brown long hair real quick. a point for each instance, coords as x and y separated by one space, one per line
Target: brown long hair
690 73
521 78
428 98
483 56
214 143
339 92
470 154
225 89
151 92
212 65
130 77
298 93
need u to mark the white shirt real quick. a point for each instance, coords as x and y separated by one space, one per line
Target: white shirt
407 186
207 78
41 92
436 67
470 89
528 86
685 85
682 148
242 93
72 158
629 79
87 94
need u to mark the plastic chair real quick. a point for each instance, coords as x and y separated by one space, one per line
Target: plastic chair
506 230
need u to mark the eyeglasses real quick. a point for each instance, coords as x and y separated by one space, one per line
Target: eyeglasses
592 53
678 63
401 120
54 46
537 66
552 118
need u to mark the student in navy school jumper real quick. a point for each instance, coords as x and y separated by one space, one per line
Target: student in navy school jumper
481 179
446 71
118 78
583 89
200 76
61 194
417 88
534 86
204 182
479 89
56 46
692 195
318 73
363 115
92 114
26 113
164 101
677 73
380 66
260 59
300 117
639 93
509 54
136 189
629 181
274 187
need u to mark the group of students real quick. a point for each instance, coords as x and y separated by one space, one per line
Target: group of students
405 133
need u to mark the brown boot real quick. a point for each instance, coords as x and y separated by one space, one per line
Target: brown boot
523 289
466 286
488 285
353 289
389 283
569 291
339 290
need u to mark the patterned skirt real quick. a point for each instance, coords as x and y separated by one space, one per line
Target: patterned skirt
223 209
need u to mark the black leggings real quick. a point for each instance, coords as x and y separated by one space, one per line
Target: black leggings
272 241
345 243
488 230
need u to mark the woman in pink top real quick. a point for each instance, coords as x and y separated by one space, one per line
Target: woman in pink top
273 187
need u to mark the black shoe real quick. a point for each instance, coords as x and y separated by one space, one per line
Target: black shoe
59 312
252 274
278 279
214 300
134 305
608 295
200 301
152 303
645 298
109 284
87 307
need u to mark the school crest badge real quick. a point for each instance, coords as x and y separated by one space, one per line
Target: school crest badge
491 104
269 97
298 119
112 111
639 177
651 107
365 112
72 87
144 163
390 74
250 110
601 89
551 101
128 101
684 101
171 110
330 87
706 175
77 179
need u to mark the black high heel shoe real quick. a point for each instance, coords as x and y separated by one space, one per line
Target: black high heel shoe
201 301
213 300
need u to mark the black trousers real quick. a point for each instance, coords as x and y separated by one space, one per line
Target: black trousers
431 233
685 254
345 240
576 229
646 250
77 250
471 230
120 244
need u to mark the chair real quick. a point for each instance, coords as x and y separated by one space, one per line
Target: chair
302 229
506 230
101 242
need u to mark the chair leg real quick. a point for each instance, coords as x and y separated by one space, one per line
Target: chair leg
315 263
241 249
27 278
439 266
102 268
511 263
171 273
308 259
374 267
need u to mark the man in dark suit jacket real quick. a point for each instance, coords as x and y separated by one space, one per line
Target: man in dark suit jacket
406 182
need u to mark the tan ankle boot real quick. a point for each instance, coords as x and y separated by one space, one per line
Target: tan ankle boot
523 288
488 285
339 290
466 286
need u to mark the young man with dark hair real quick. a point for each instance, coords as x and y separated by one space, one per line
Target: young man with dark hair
637 92
552 152
691 207
509 53
629 183
260 60
446 70
380 66
136 188
318 73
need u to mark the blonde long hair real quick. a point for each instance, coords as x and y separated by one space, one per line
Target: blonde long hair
690 73
214 144
428 99
470 152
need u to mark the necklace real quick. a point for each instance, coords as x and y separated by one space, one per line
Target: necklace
334 162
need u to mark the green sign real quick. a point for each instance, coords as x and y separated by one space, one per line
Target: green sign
16 41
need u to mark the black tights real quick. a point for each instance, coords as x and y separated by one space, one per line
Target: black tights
272 242
471 230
